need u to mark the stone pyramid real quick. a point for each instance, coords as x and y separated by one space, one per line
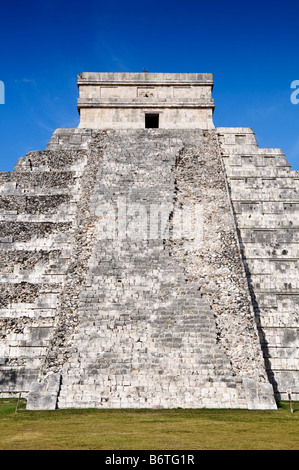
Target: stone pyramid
146 267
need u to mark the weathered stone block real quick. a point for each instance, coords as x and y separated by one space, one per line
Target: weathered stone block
44 395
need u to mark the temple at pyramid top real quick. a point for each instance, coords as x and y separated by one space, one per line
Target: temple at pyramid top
146 100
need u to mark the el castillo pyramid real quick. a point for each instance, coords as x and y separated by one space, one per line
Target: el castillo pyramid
149 259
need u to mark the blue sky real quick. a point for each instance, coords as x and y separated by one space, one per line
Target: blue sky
250 47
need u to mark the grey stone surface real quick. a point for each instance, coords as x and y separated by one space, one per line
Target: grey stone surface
43 395
149 268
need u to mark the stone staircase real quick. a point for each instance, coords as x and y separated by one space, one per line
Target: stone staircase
145 337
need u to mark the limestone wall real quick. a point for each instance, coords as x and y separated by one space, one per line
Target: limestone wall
121 100
265 195
134 117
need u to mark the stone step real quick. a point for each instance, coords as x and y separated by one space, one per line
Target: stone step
32 204
24 231
49 160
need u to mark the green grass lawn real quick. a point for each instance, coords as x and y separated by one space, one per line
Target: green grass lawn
177 429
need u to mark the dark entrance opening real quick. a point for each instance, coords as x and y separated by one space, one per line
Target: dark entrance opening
151 121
